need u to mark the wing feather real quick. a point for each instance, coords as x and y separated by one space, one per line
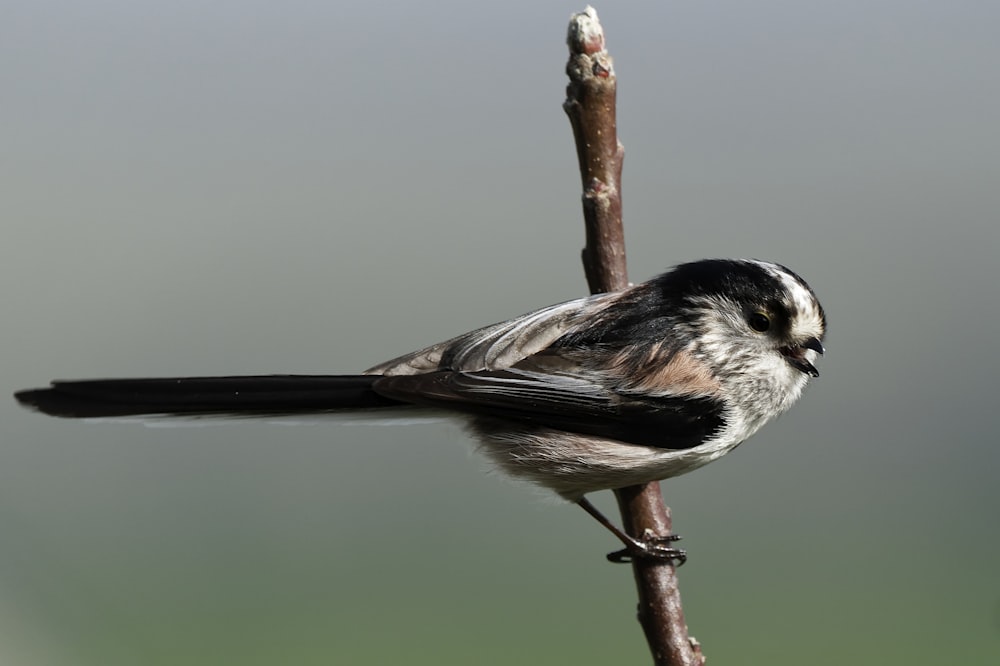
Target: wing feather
570 403
499 345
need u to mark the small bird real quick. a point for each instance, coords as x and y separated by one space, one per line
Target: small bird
603 392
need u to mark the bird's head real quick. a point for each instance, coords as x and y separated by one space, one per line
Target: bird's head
752 320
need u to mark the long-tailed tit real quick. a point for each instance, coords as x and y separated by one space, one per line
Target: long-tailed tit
602 392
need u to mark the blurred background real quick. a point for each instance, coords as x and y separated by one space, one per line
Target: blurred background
252 187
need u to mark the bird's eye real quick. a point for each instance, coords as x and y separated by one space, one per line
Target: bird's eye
759 322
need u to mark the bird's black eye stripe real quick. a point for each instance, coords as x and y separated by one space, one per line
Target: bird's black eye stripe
759 322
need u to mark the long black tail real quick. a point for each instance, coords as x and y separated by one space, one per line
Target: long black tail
262 395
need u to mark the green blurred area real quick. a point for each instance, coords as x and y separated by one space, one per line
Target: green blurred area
249 189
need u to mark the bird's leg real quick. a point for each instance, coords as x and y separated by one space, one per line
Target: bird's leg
650 546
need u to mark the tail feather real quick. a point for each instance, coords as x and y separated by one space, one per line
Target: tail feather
264 394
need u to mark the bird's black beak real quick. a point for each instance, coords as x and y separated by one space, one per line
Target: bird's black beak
795 355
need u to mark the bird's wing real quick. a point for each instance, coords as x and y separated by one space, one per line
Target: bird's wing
499 345
563 401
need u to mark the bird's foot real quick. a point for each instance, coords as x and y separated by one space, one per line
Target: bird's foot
650 547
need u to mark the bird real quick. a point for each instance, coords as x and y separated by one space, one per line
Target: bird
602 392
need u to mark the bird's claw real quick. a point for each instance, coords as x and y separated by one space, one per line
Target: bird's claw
651 547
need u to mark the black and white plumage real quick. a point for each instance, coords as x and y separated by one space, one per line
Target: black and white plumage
601 392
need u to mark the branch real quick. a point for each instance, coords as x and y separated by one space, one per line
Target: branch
590 105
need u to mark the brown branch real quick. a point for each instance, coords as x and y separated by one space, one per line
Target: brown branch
590 105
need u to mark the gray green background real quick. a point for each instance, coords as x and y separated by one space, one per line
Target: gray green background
255 187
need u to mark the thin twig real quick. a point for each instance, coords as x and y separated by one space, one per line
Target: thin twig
590 105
